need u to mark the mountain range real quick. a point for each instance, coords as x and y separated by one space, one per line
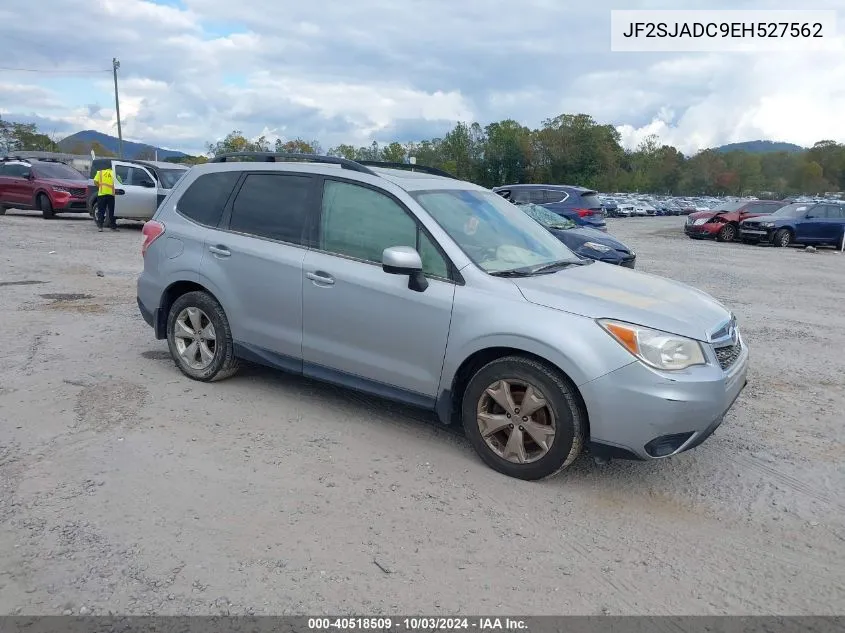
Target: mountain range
760 147
82 142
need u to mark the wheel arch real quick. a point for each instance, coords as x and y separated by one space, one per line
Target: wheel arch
449 401
170 294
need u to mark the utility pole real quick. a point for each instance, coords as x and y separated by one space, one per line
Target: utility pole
115 65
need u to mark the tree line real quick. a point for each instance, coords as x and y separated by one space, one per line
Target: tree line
575 149
568 149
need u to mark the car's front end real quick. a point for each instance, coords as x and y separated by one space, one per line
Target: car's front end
702 225
760 229
67 196
688 361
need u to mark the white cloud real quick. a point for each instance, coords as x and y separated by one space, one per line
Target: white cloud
348 72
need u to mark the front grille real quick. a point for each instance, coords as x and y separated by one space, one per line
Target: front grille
727 355
77 193
750 225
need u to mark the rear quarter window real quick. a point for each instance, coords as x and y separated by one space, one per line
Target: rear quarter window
590 201
206 197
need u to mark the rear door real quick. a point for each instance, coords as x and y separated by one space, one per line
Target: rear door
136 195
812 227
833 224
255 261
17 185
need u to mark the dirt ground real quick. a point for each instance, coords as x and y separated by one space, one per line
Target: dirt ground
126 487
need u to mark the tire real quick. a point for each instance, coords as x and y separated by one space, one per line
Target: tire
2 210
782 238
561 406
92 207
727 233
46 207
223 363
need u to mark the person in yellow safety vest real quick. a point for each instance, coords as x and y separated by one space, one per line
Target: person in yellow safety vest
104 179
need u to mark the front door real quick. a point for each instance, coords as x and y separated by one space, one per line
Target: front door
136 195
255 260
362 327
811 228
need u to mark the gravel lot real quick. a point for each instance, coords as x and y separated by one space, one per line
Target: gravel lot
128 488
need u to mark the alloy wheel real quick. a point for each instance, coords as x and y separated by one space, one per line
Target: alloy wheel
195 338
516 421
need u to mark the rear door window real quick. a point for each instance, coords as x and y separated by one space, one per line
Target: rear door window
275 206
550 195
206 197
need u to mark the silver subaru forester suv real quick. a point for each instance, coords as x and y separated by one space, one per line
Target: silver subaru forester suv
414 286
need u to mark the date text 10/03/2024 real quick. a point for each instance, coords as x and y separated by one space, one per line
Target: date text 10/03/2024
417 624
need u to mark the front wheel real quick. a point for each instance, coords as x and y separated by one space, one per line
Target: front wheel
46 207
200 339
523 418
783 237
727 233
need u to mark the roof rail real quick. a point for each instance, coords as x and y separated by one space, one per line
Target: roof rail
408 167
274 157
15 158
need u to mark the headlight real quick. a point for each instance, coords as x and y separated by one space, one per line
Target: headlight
593 246
655 348
769 225
61 189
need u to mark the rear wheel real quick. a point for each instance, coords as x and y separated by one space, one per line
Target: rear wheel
727 233
523 418
200 339
783 237
46 207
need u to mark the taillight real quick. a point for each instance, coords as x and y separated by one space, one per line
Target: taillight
585 212
151 231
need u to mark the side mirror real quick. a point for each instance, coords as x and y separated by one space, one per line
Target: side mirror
149 184
404 260
28 175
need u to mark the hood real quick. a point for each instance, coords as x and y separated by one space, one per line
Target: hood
604 291
702 214
575 238
62 182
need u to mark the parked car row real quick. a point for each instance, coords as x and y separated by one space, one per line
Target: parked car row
51 186
778 223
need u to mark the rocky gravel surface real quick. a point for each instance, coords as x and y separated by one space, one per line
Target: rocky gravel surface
126 488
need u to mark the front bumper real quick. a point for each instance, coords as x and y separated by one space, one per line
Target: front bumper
761 235
701 230
70 204
639 413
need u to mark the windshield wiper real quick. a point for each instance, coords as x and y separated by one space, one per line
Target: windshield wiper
539 270
554 266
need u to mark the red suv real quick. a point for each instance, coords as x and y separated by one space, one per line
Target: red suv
49 186
723 223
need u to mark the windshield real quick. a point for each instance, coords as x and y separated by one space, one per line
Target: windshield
58 170
495 234
169 177
729 206
792 210
547 218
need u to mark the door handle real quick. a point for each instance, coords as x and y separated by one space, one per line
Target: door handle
119 192
320 277
220 251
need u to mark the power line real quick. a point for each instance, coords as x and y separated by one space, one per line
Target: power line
53 70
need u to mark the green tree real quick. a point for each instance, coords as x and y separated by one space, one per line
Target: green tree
394 153
235 141
298 146
343 151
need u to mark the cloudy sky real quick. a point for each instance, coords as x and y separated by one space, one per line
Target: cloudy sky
354 71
